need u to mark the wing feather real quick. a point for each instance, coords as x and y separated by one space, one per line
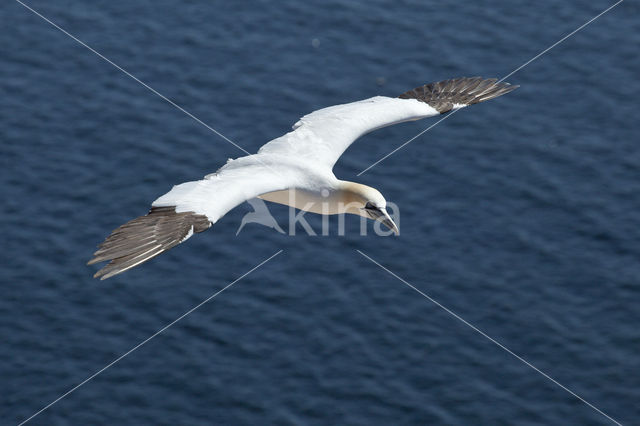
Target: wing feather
458 92
146 237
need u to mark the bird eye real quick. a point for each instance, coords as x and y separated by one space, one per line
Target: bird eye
370 206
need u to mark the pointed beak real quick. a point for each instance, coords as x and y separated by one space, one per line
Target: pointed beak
382 216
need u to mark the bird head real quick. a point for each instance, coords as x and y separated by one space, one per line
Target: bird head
368 202
379 212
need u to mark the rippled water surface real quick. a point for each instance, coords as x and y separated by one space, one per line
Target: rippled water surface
522 215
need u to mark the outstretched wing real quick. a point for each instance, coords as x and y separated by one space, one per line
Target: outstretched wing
189 208
145 237
324 135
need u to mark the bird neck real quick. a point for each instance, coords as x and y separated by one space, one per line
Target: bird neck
353 196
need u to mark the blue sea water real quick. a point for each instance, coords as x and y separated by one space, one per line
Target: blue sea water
521 215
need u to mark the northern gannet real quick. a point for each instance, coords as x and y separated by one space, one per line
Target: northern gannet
294 169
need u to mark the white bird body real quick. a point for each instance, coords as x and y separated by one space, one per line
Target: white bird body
294 169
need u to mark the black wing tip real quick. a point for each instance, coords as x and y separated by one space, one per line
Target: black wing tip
444 95
146 237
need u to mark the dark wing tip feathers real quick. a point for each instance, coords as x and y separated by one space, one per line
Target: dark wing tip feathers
443 95
145 237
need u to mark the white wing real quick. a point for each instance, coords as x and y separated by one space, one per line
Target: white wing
324 135
234 183
193 207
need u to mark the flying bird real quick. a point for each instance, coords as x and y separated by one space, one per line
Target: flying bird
294 169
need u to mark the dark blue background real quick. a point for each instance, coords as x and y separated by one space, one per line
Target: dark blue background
522 215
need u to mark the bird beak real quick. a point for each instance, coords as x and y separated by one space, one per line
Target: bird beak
382 216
